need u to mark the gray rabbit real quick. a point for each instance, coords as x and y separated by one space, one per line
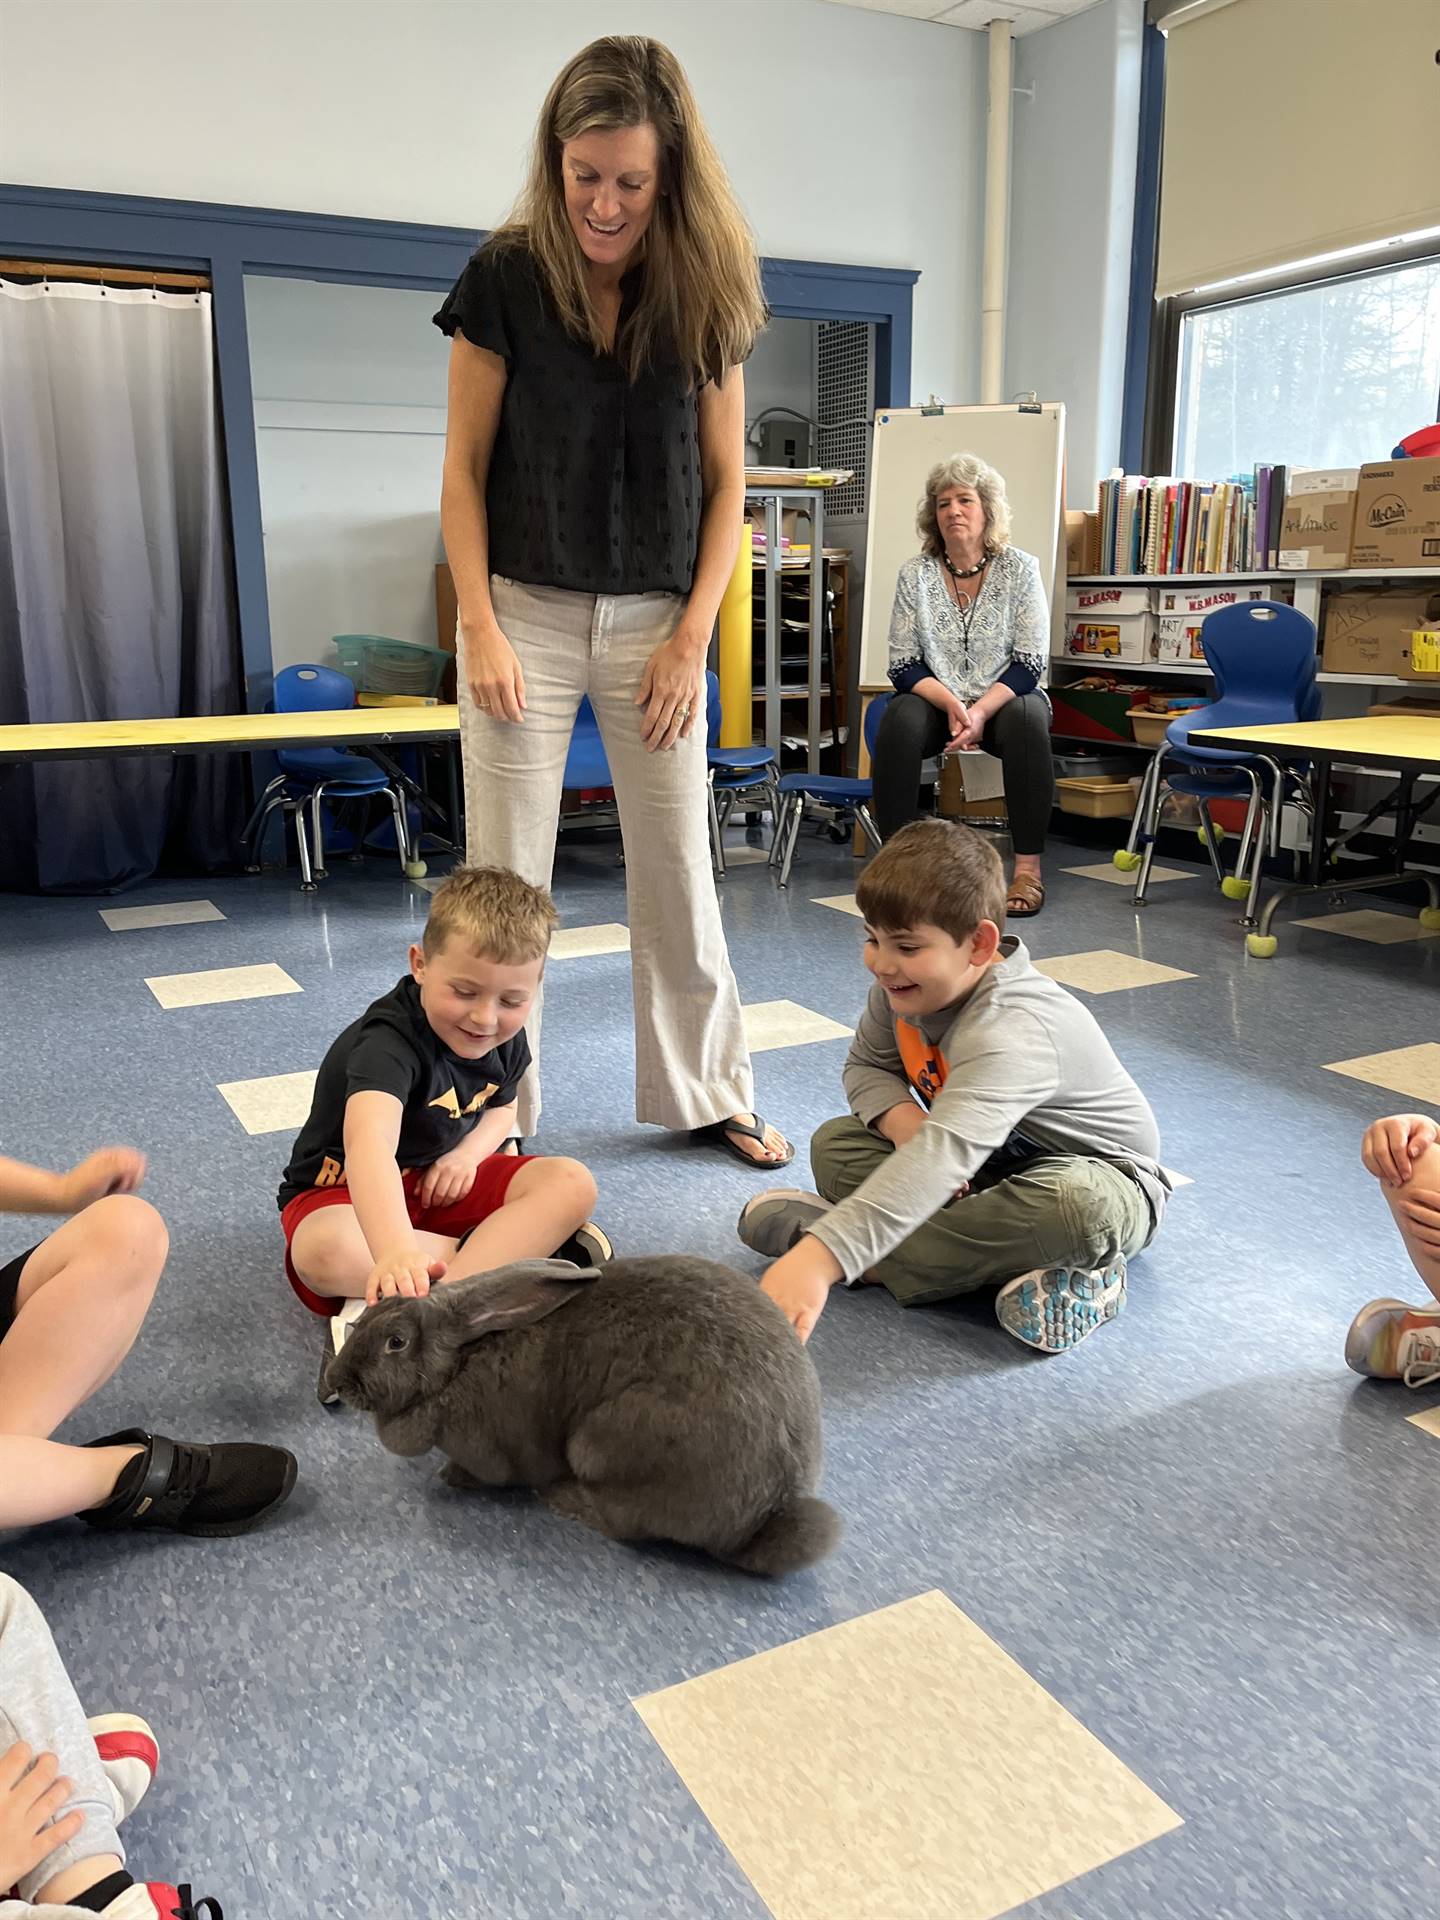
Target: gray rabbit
668 1401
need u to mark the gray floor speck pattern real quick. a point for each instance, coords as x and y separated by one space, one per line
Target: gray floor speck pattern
1200 1533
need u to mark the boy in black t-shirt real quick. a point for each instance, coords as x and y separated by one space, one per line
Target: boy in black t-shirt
399 1177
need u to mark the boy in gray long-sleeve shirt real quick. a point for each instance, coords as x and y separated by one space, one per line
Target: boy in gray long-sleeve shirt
993 1135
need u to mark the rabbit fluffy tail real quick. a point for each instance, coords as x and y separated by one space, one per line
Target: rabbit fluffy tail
803 1531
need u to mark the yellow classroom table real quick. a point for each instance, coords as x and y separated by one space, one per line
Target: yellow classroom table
376 729
216 732
1405 745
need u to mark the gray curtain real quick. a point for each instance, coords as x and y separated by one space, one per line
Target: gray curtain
116 581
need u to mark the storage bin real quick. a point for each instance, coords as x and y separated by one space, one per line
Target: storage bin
1094 713
378 665
1094 766
1096 799
1122 637
1149 726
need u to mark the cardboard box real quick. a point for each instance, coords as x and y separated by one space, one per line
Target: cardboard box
1194 602
1397 515
1319 518
1126 638
1177 637
1107 603
1368 632
1082 543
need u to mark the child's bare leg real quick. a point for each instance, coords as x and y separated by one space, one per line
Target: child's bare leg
1420 1191
330 1253
544 1204
82 1298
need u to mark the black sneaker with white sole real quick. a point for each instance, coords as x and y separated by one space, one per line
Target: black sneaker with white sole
588 1246
337 1331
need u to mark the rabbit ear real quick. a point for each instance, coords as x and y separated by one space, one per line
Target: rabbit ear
515 1296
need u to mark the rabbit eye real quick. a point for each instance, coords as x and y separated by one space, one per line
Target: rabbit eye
397 1343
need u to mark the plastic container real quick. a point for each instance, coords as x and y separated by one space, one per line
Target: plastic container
1093 766
1149 726
1096 799
378 665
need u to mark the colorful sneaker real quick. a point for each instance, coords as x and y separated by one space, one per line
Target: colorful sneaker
588 1246
773 1221
1392 1341
338 1329
129 1753
1054 1308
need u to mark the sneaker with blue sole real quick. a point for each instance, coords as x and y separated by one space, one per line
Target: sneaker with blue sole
1055 1308
773 1221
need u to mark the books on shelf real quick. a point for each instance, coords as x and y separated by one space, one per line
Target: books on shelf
1173 525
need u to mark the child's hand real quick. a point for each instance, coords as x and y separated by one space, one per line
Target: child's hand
28 1801
448 1179
800 1281
111 1170
1421 1213
1391 1147
406 1271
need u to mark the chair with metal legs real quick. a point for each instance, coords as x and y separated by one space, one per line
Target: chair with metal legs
837 792
735 773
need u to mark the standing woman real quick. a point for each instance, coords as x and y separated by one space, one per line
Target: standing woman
592 508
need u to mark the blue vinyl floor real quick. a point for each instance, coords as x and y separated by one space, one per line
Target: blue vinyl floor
1203 1536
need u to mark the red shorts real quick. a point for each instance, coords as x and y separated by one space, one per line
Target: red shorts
486 1196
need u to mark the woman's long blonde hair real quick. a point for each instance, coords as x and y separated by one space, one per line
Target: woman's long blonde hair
701 294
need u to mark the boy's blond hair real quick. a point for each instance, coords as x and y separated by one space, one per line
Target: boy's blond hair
494 912
938 872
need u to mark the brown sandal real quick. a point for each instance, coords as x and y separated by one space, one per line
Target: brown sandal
1024 897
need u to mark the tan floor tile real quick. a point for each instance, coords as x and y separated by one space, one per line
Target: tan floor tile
273 1104
1105 971
781 1023
1381 929
746 856
841 902
1179 1179
1113 876
217 984
1413 1071
578 943
880 1768
1428 1422
175 913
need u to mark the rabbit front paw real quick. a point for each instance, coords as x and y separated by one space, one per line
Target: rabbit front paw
454 1475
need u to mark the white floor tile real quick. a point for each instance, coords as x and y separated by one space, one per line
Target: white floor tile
1112 875
578 943
1105 971
782 1023
1412 1071
273 1104
1380 929
174 913
841 902
218 984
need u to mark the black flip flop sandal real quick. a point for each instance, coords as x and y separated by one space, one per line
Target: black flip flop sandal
722 1129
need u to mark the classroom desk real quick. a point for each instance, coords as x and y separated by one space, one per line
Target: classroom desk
376 729
1406 746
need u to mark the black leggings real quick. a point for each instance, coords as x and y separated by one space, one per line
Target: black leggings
912 731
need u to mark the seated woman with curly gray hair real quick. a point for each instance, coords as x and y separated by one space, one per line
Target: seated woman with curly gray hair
969 637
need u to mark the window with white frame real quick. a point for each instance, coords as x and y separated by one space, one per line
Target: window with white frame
1326 375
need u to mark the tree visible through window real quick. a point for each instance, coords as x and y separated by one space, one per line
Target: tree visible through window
1327 376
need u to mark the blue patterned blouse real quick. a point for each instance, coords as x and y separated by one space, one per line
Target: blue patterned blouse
1009 630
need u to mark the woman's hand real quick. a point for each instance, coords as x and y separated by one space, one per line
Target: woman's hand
672 690
497 686
957 714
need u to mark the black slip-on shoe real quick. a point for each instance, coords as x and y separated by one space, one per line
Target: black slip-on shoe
208 1491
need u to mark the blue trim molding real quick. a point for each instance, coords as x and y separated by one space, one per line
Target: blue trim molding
229 242
1144 236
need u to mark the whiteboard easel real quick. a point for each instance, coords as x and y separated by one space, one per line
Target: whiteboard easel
1026 444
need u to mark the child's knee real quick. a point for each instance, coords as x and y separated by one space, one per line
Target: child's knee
569 1183
134 1237
842 1152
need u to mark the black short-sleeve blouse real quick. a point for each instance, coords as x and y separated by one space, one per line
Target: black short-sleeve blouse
594 480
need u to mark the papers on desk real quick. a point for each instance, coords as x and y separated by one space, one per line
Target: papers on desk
797 476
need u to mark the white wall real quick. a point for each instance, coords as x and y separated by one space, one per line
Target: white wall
349 386
1071 211
851 136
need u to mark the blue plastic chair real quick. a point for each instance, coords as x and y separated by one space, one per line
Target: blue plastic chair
734 771
1263 659
828 790
585 762
310 775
